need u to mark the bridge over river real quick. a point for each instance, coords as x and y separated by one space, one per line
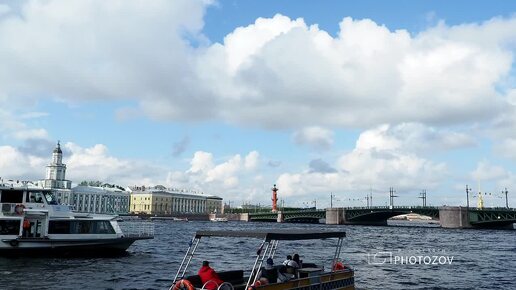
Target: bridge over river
449 217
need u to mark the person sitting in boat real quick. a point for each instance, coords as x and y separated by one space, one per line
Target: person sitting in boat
297 261
290 263
339 265
288 270
206 273
269 274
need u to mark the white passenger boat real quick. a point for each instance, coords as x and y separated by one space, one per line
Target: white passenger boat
31 222
309 276
219 219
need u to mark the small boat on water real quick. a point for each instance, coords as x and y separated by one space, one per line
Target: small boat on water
219 219
309 276
169 218
32 222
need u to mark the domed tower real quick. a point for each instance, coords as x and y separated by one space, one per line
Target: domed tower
56 171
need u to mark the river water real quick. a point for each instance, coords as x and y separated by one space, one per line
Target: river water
409 256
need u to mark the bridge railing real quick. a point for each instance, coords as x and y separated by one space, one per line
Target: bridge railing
493 208
393 207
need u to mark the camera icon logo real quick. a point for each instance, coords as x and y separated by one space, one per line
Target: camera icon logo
379 258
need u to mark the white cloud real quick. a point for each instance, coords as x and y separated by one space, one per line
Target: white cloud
19 166
413 137
16 124
378 160
222 178
31 134
488 172
225 171
251 160
95 163
202 161
315 137
277 71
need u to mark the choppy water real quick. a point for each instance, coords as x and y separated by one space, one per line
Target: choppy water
482 259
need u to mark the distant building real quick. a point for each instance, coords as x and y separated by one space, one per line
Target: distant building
56 172
55 178
100 200
82 198
162 201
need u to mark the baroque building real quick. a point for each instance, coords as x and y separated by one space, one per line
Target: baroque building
56 172
162 201
89 199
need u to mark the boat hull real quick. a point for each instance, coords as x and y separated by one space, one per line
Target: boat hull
93 247
336 280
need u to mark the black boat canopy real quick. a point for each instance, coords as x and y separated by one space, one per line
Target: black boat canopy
285 235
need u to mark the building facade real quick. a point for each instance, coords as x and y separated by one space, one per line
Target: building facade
88 199
159 201
56 172
94 199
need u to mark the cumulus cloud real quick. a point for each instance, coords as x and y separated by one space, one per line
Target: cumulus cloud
491 179
251 160
223 178
488 172
96 163
279 72
502 131
17 165
413 137
376 161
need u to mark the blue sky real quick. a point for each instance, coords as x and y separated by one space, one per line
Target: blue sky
230 97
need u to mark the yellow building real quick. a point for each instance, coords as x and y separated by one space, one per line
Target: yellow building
159 201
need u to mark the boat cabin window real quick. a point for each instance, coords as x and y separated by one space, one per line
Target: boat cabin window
80 227
11 196
51 199
9 227
34 197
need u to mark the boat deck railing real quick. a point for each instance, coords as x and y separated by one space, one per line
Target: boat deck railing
139 229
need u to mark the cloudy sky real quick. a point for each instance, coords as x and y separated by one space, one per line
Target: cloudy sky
230 97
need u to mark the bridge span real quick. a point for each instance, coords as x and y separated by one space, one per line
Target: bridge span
449 217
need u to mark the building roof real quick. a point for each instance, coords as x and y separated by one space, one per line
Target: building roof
189 193
95 189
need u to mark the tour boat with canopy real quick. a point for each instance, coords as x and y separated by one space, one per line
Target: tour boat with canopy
309 276
32 222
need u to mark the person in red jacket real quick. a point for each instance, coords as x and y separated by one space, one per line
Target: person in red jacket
206 273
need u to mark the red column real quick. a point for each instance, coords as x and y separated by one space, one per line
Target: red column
274 198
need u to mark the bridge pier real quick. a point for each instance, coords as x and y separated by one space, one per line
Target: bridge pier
281 218
454 217
335 216
244 217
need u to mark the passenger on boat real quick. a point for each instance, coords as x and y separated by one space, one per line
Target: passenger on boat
288 270
206 273
298 262
290 263
269 274
26 227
